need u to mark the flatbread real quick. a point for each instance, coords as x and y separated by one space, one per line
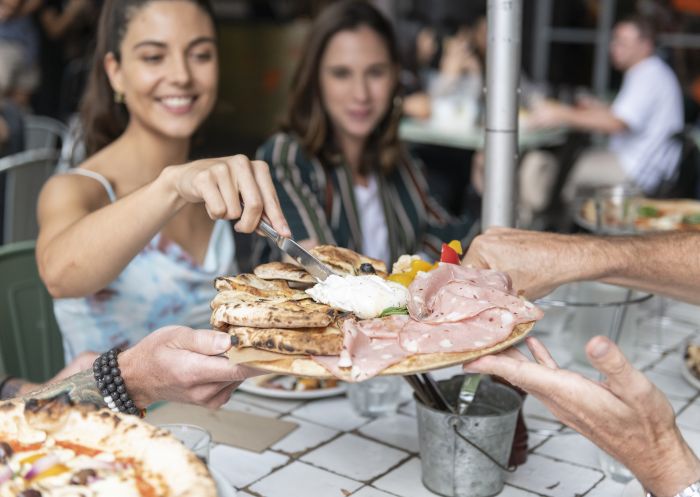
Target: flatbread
151 461
312 341
258 287
345 261
418 363
279 313
283 271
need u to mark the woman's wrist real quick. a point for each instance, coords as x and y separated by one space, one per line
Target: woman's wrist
165 187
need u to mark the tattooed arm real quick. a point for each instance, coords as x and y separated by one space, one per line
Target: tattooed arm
80 387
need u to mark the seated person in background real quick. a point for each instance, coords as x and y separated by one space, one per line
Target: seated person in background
173 363
341 173
625 414
132 239
19 50
641 122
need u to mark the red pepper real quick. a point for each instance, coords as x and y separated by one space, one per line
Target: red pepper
449 255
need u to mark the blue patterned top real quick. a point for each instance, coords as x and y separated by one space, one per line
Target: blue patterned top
161 286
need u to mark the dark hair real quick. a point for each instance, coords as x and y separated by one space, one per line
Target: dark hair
103 118
645 26
305 113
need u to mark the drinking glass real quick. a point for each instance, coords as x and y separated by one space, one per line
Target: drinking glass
375 397
195 438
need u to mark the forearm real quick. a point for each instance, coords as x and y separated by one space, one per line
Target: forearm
80 388
91 253
667 264
594 119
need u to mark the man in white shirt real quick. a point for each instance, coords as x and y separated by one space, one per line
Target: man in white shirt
641 122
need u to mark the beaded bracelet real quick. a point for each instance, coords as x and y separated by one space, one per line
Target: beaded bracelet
111 385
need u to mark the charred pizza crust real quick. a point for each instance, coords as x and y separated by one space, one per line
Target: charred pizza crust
311 341
163 463
346 261
283 271
277 313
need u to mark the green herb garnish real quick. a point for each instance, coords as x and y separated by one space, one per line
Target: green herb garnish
648 211
692 218
393 311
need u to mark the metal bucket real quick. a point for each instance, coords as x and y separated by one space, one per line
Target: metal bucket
455 467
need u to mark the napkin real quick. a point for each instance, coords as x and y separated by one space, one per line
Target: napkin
239 429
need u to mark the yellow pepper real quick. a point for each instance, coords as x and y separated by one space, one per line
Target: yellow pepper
31 459
52 471
456 245
420 265
404 279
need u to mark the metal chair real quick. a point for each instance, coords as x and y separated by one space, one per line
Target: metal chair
31 345
43 132
685 181
26 173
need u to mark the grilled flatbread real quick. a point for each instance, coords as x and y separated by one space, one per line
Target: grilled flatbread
311 341
418 363
278 313
258 287
346 261
283 271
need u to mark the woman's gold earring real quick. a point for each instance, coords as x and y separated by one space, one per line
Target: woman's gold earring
118 97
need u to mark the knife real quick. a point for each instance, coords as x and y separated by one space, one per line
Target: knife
313 266
467 392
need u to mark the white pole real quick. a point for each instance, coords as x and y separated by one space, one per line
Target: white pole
502 79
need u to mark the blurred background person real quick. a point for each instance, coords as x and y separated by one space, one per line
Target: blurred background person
341 172
19 50
641 122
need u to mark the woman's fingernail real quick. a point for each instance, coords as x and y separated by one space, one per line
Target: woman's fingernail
600 349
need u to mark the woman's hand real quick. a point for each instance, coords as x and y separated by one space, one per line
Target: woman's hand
625 414
181 364
222 183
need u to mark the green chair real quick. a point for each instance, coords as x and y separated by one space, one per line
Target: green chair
30 341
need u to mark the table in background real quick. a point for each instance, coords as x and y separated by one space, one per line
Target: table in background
425 132
336 453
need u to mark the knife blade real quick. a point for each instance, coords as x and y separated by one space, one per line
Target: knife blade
315 268
467 392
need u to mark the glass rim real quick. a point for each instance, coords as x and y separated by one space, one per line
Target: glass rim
190 427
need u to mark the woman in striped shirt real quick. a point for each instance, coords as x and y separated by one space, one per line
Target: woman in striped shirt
341 173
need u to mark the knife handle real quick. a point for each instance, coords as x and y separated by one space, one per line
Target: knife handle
269 231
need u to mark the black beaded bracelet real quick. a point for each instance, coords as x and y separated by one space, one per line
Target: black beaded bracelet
111 385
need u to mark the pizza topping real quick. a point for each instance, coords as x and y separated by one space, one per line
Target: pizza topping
366 296
83 477
367 268
5 452
30 492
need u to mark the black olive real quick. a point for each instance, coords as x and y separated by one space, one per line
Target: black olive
83 477
30 492
5 452
367 268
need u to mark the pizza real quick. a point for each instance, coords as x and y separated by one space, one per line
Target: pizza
640 214
361 322
53 448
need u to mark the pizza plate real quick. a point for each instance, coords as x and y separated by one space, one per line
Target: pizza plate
252 387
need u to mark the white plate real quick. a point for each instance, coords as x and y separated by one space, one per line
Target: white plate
633 489
251 387
223 486
689 376
687 373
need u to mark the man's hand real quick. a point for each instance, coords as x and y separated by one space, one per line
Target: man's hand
181 364
625 415
537 262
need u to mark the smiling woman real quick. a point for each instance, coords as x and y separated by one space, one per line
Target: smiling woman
131 239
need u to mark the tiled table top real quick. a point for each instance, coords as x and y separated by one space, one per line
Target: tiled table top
335 452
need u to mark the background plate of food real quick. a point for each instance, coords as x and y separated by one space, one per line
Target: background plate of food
691 365
292 387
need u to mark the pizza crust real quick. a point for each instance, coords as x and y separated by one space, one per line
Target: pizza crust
167 464
418 363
